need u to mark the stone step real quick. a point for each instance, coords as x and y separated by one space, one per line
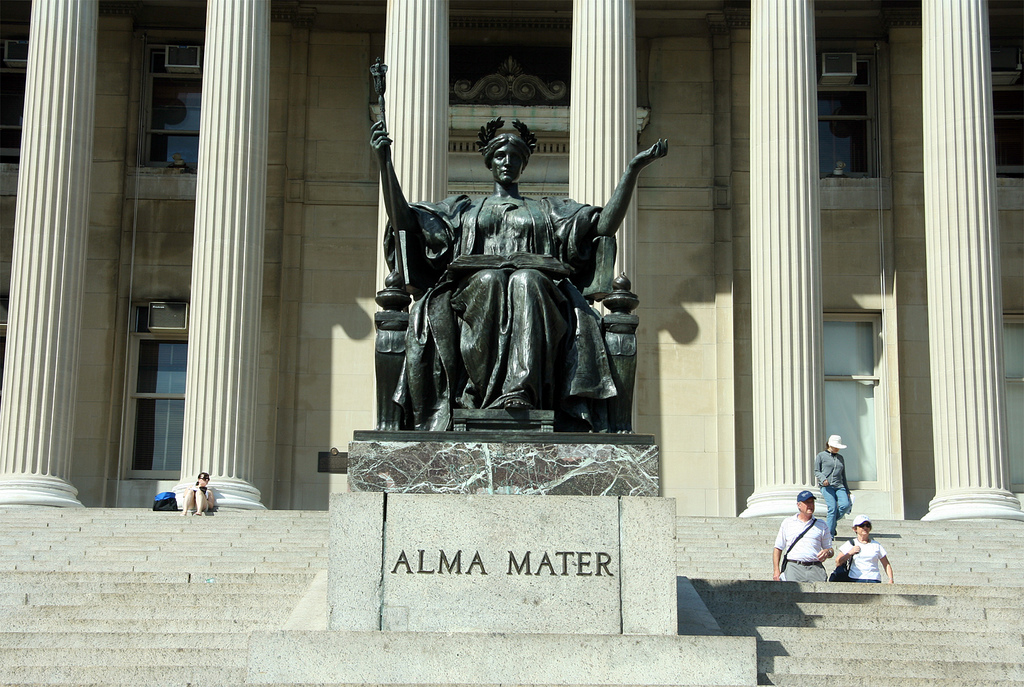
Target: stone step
818 679
128 538
1007 578
864 668
809 638
28 623
823 608
172 599
168 556
74 594
185 638
88 578
124 675
151 612
241 567
191 683
116 658
849 651
897 594
741 624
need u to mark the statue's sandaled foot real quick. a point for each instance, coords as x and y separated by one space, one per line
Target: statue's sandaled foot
516 403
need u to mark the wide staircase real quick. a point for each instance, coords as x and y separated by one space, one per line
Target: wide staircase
954 617
133 597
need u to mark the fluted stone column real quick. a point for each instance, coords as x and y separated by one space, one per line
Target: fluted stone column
416 52
227 256
602 113
48 262
785 254
962 243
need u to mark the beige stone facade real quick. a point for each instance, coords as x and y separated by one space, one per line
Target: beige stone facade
692 243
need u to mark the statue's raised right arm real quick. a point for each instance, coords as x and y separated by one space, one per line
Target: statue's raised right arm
615 208
397 207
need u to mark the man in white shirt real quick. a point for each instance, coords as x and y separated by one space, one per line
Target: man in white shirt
804 542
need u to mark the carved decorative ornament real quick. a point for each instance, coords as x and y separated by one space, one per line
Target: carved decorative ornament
510 83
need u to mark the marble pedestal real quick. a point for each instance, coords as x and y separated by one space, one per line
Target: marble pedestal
564 464
475 590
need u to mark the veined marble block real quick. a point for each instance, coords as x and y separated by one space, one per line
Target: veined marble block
533 463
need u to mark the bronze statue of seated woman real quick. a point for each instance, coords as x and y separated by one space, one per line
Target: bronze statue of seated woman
500 320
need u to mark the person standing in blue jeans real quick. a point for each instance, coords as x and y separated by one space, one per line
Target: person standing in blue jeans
830 471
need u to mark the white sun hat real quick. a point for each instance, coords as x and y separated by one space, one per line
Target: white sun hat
836 441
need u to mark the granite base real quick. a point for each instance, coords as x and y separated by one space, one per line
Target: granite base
525 463
438 658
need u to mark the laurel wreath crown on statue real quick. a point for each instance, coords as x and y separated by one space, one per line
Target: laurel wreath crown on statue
490 130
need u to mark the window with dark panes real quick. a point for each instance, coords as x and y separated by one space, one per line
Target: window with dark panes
175 101
3 341
1013 352
157 398
160 405
1008 112
854 404
845 126
12 104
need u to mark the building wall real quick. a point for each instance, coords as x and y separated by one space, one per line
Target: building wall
694 385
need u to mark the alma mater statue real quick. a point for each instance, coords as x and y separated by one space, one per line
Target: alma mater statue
500 320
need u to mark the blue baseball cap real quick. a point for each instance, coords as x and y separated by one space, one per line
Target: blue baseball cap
803 496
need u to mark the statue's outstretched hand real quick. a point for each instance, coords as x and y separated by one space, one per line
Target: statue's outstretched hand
656 151
380 141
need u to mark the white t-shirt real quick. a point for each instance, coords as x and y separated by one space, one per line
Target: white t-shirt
816 539
865 562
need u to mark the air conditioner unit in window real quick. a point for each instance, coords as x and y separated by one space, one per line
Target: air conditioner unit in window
1006 65
168 316
182 59
838 68
16 54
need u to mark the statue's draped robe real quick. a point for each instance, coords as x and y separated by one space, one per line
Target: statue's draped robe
478 339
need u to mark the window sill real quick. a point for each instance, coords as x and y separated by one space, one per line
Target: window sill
9 178
160 183
848 193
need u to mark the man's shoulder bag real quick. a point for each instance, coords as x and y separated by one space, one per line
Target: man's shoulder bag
785 558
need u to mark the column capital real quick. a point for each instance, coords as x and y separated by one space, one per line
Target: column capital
901 18
718 24
292 12
541 23
119 8
737 17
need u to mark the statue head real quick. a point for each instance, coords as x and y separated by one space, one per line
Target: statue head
491 141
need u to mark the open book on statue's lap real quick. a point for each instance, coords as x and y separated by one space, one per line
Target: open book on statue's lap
549 265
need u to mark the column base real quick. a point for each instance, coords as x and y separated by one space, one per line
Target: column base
34 491
780 502
231 493
975 503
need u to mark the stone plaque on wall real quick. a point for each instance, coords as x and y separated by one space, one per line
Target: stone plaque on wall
571 565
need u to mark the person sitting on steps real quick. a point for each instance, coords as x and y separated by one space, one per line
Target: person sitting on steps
200 498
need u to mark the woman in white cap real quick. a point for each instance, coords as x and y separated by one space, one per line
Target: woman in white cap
869 558
830 471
